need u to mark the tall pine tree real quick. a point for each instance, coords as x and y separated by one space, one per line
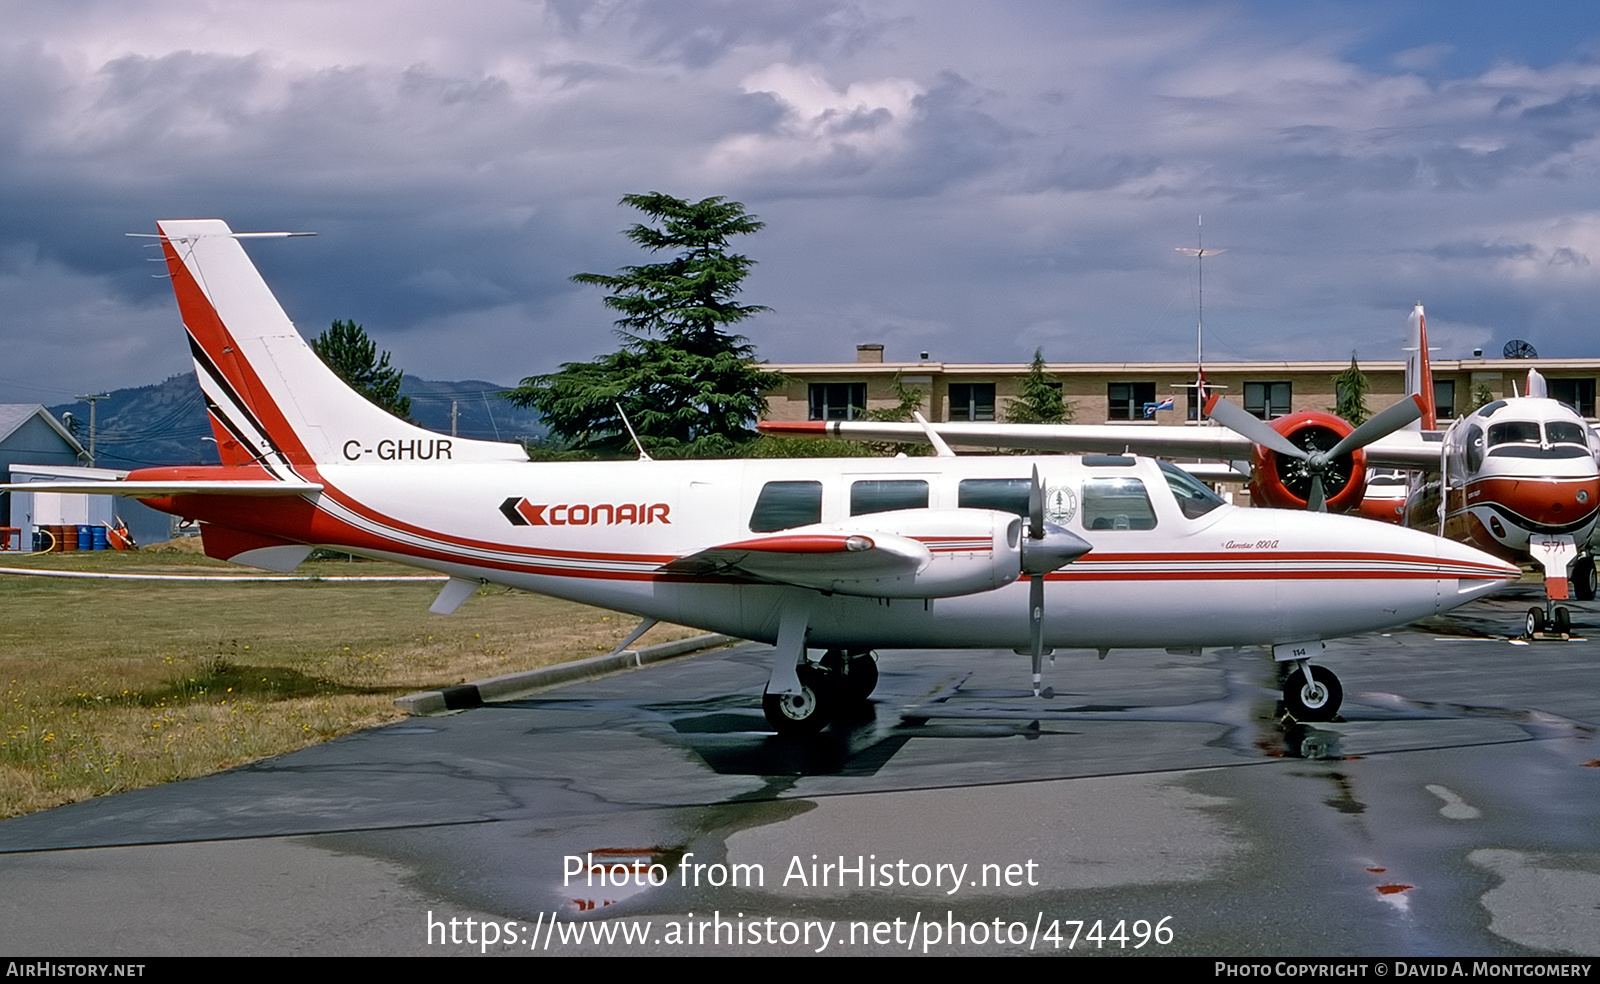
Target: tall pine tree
688 383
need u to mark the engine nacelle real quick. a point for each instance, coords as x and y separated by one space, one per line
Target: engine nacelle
1282 482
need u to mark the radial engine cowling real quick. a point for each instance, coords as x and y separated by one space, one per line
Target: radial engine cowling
1282 482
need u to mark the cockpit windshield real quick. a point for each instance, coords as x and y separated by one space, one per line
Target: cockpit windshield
1514 432
1194 497
1566 432
1523 439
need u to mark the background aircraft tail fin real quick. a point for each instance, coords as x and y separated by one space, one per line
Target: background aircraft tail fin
1419 373
272 400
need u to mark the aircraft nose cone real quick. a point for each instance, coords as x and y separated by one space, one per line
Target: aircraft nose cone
1466 573
1057 549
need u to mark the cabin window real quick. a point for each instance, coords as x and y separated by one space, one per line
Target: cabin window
971 401
1125 401
1474 449
873 496
785 505
838 401
1194 497
1000 494
1117 504
1266 400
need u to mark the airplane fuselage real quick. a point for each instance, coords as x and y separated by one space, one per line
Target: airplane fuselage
600 533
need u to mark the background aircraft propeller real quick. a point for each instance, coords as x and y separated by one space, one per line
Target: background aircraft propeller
1316 464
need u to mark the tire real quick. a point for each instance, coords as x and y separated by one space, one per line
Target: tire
1305 702
1583 579
860 679
1563 621
804 713
1535 622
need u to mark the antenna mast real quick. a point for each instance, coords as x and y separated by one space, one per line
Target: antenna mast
1199 252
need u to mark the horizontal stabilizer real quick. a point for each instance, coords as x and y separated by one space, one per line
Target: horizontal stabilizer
157 490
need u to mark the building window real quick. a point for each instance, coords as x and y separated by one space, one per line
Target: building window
1125 401
838 401
1444 398
1266 400
1575 393
971 401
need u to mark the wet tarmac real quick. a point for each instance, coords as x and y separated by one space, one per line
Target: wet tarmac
1156 805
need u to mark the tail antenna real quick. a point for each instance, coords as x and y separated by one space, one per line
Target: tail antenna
626 423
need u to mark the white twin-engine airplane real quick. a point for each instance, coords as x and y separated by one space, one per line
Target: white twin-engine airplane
842 555
1519 477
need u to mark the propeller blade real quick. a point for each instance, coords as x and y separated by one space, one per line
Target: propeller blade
1036 628
1379 425
1035 507
1247 426
1318 500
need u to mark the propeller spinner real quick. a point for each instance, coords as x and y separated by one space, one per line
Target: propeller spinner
1315 463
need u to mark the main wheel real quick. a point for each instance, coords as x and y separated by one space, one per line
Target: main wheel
1535 621
1563 621
1583 578
1317 699
804 713
860 679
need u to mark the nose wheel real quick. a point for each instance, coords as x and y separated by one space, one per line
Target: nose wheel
1557 622
1312 693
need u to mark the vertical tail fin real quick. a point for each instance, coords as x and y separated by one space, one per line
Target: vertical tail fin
1419 373
272 400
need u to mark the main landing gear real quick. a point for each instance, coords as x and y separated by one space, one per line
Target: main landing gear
832 686
1312 693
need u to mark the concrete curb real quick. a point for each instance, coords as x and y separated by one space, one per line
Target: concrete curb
431 703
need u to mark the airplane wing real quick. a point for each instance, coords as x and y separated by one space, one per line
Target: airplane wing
1217 443
1412 450
1417 450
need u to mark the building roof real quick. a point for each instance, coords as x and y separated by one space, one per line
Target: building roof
14 415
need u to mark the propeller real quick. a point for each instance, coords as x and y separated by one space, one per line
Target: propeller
1316 464
1045 548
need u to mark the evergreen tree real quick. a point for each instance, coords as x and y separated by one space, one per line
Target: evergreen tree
1351 387
1041 401
689 385
347 350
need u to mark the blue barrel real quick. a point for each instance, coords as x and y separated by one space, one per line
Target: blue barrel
98 533
86 538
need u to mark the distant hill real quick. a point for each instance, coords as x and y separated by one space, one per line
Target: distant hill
165 424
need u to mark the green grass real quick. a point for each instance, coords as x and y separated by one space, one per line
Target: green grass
113 685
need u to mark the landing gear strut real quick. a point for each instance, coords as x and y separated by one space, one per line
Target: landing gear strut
1312 693
833 685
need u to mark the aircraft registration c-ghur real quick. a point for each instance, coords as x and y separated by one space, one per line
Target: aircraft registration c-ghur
842 556
1518 477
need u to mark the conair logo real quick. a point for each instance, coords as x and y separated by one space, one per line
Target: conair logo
521 512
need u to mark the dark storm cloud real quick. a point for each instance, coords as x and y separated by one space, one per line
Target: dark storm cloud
932 178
